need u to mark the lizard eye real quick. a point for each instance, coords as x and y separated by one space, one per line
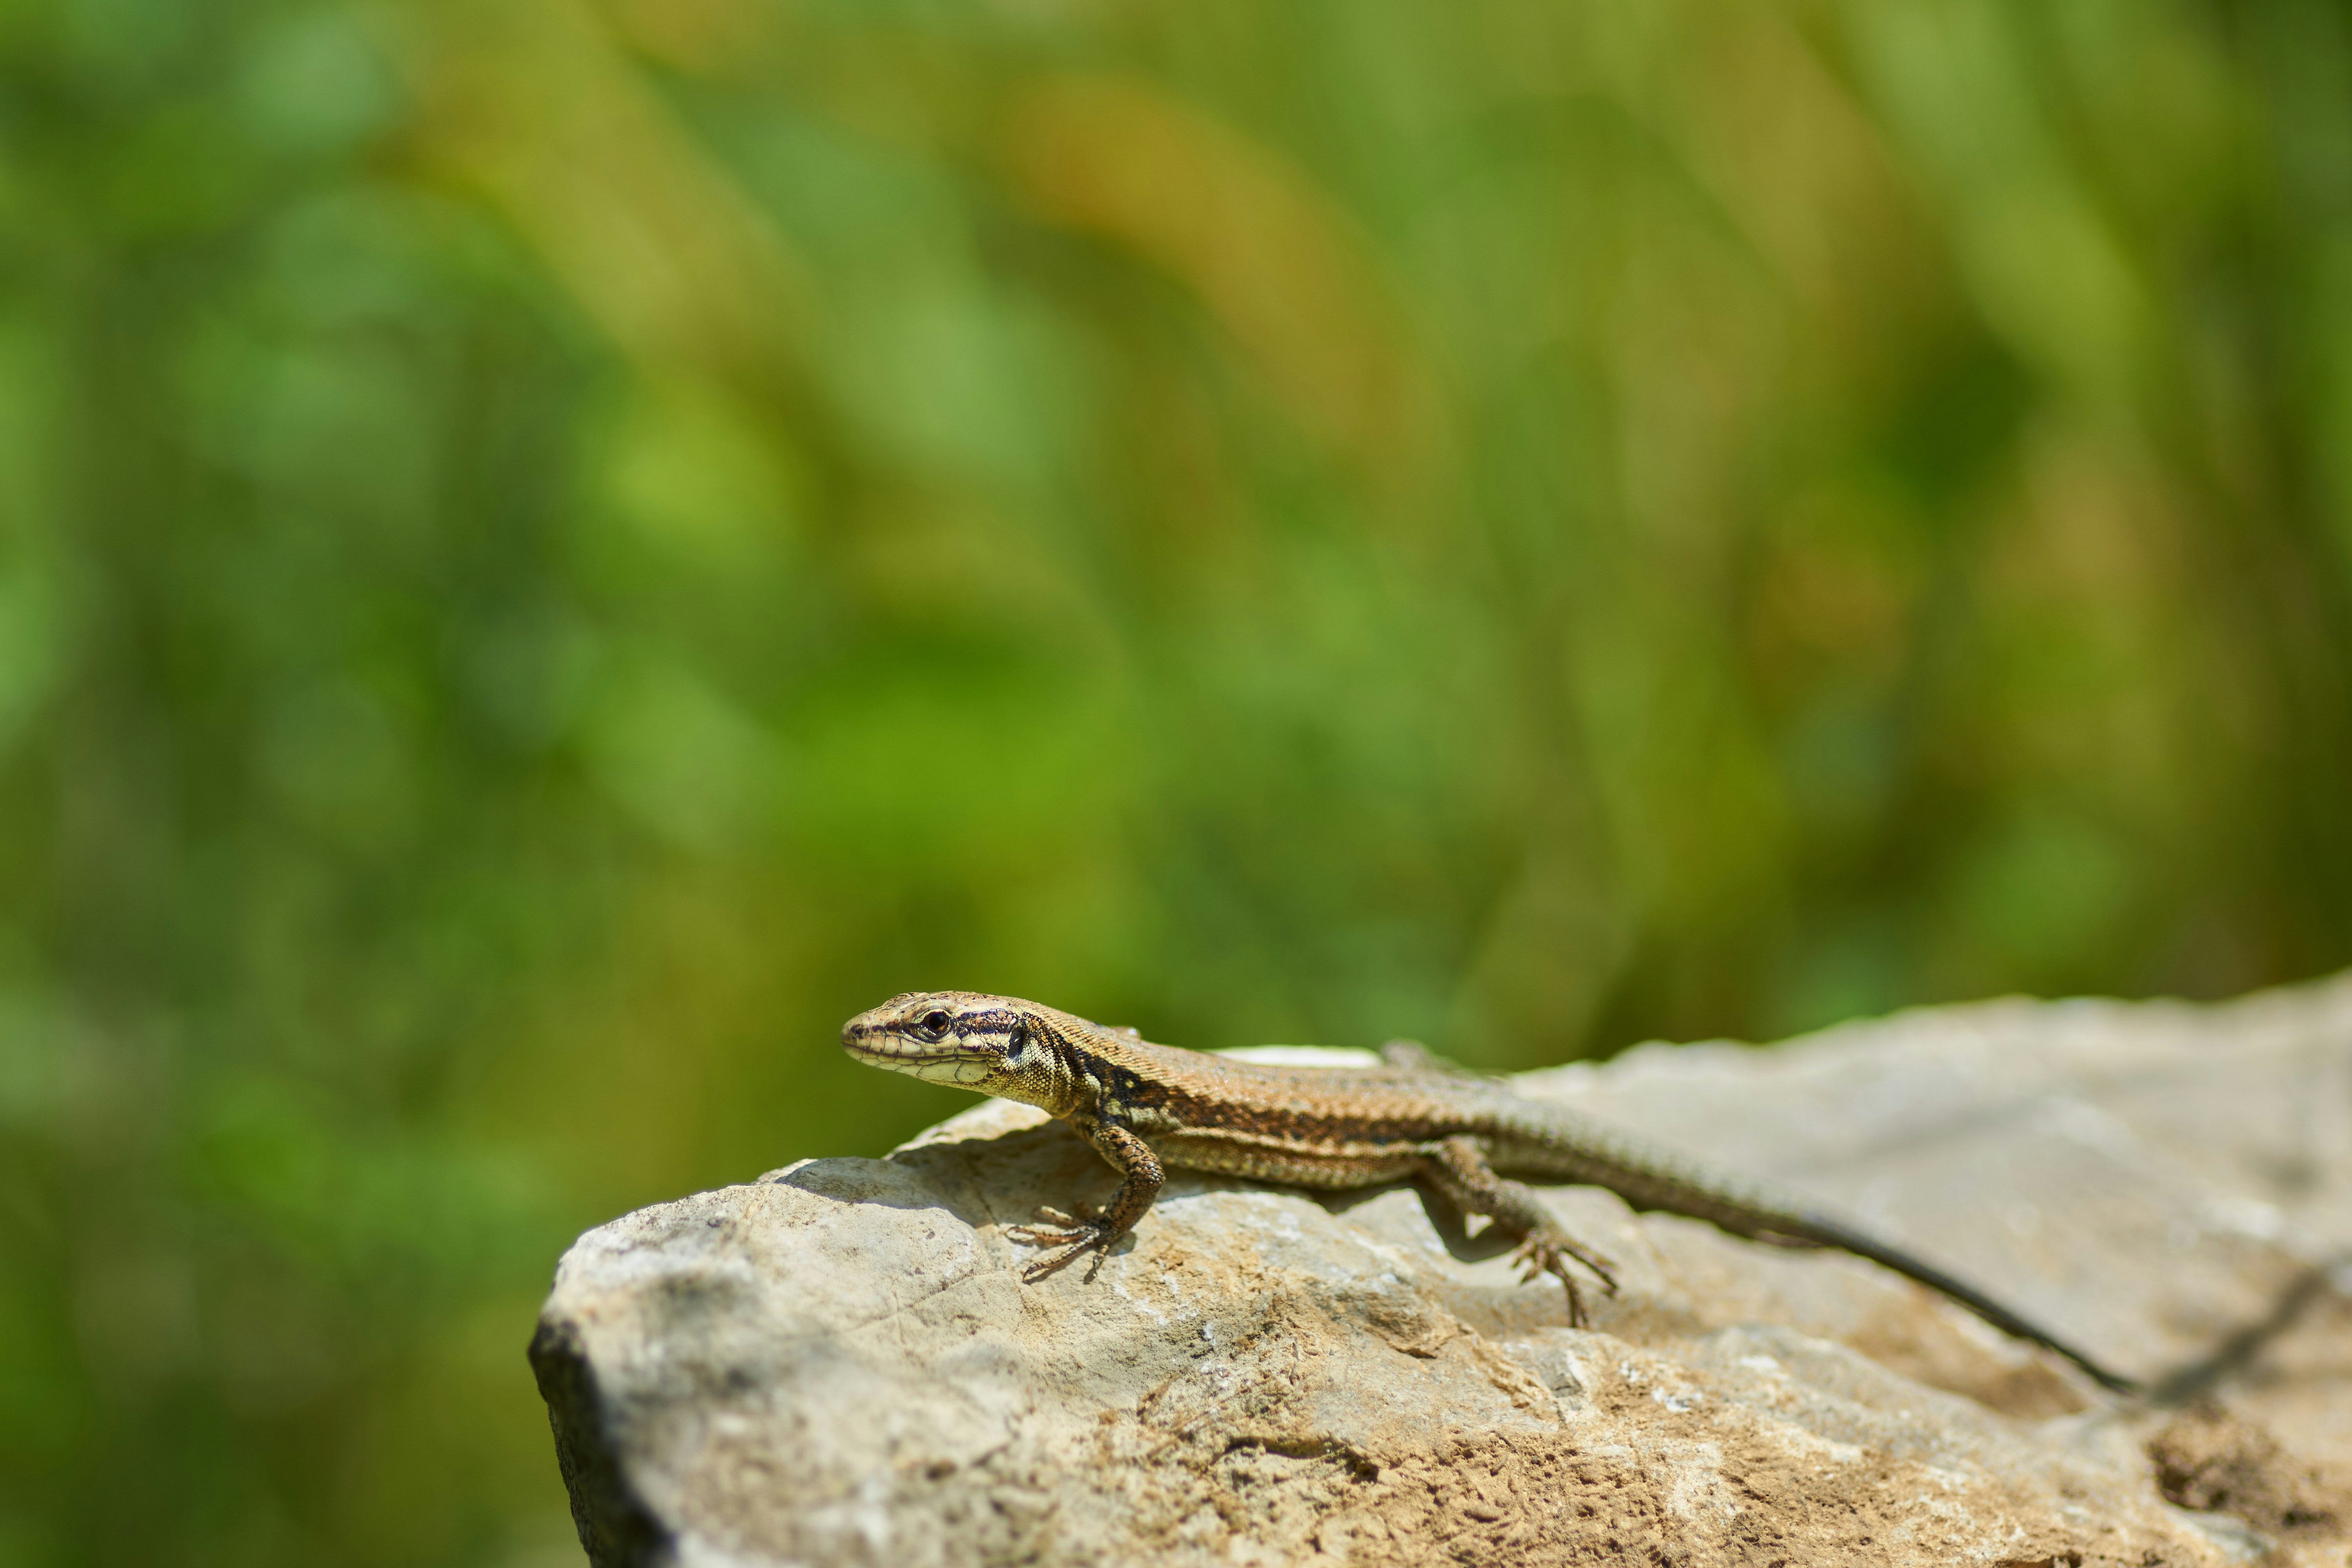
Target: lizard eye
934 1024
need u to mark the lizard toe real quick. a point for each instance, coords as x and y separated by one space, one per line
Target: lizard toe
1067 1246
1541 1254
1069 1234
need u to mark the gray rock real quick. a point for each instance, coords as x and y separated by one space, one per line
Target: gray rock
839 1363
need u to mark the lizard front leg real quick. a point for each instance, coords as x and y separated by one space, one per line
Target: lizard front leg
1458 1168
1089 1229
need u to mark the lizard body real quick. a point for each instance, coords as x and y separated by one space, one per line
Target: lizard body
1145 1107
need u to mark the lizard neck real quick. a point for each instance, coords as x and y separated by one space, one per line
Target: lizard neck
1067 1080
1088 1063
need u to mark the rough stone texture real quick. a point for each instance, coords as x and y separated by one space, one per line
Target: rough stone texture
839 1365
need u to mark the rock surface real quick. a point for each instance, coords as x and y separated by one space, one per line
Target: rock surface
838 1363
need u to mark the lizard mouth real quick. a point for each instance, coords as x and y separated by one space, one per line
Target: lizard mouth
965 1069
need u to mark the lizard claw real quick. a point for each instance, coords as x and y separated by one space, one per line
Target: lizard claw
1073 1234
1539 1255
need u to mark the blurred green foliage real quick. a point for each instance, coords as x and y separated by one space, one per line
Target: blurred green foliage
549 554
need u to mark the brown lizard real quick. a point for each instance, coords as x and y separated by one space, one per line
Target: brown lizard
1145 1107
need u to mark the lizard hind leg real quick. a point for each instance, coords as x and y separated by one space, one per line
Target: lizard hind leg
1458 1168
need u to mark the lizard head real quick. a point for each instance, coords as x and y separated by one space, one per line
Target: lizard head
993 1044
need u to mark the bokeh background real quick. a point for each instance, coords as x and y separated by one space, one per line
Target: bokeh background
551 551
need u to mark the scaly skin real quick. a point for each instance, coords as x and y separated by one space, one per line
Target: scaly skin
1146 1107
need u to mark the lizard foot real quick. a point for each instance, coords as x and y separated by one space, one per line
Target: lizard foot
1542 1254
1085 1231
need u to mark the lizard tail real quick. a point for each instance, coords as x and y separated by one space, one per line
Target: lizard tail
1648 1178
1815 1229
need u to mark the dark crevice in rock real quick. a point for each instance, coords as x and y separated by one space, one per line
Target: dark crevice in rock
2213 1460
